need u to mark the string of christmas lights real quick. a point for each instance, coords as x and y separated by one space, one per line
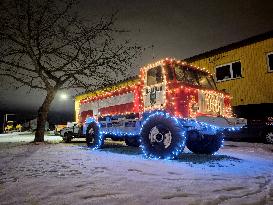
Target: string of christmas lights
182 104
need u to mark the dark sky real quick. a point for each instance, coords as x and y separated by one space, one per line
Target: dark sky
176 28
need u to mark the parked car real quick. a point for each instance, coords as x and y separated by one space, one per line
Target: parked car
256 130
58 128
71 131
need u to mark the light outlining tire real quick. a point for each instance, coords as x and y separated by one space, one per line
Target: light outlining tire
162 136
268 137
94 138
199 143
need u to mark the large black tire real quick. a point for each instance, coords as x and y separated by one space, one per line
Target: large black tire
200 143
132 142
67 137
162 136
94 138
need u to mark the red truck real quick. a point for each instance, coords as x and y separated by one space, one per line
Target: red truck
169 106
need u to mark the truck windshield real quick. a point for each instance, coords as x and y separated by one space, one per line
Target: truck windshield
194 77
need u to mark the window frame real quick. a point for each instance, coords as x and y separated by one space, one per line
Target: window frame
146 76
267 62
230 70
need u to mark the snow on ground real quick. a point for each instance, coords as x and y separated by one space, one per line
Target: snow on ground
25 137
58 173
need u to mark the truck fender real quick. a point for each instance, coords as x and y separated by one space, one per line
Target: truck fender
147 114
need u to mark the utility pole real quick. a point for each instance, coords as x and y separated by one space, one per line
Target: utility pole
4 125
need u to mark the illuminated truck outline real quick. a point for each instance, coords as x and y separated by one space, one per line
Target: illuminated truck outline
172 105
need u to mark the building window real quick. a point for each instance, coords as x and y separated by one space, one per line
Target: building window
229 71
270 61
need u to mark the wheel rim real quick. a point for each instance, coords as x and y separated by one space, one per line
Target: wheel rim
91 132
269 137
160 137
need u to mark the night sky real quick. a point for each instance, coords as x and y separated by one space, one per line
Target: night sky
175 28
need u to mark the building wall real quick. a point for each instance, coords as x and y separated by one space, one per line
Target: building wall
256 84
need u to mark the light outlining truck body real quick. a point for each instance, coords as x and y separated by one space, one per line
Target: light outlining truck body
170 105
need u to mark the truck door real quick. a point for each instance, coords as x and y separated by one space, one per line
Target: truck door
154 91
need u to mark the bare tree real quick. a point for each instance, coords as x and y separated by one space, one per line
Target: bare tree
45 45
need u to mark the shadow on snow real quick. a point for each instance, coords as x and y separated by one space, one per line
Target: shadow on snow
188 157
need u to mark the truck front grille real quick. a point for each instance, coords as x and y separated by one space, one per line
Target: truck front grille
211 102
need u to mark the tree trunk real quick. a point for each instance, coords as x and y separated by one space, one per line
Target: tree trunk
42 116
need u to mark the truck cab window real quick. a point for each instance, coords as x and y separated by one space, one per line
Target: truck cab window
154 76
187 75
206 81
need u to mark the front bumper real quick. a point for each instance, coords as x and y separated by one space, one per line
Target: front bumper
222 122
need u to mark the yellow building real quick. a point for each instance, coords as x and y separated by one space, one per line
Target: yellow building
245 70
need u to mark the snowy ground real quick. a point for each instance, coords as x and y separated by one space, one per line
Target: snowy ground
58 173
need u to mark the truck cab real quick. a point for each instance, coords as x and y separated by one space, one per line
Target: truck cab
186 92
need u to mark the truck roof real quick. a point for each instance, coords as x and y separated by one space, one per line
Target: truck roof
134 79
125 82
177 62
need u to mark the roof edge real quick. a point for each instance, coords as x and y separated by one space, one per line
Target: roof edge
229 47
118 83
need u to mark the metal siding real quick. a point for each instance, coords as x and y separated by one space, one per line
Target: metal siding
256 85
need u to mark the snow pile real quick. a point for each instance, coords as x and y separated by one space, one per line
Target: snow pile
25 137
73 174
